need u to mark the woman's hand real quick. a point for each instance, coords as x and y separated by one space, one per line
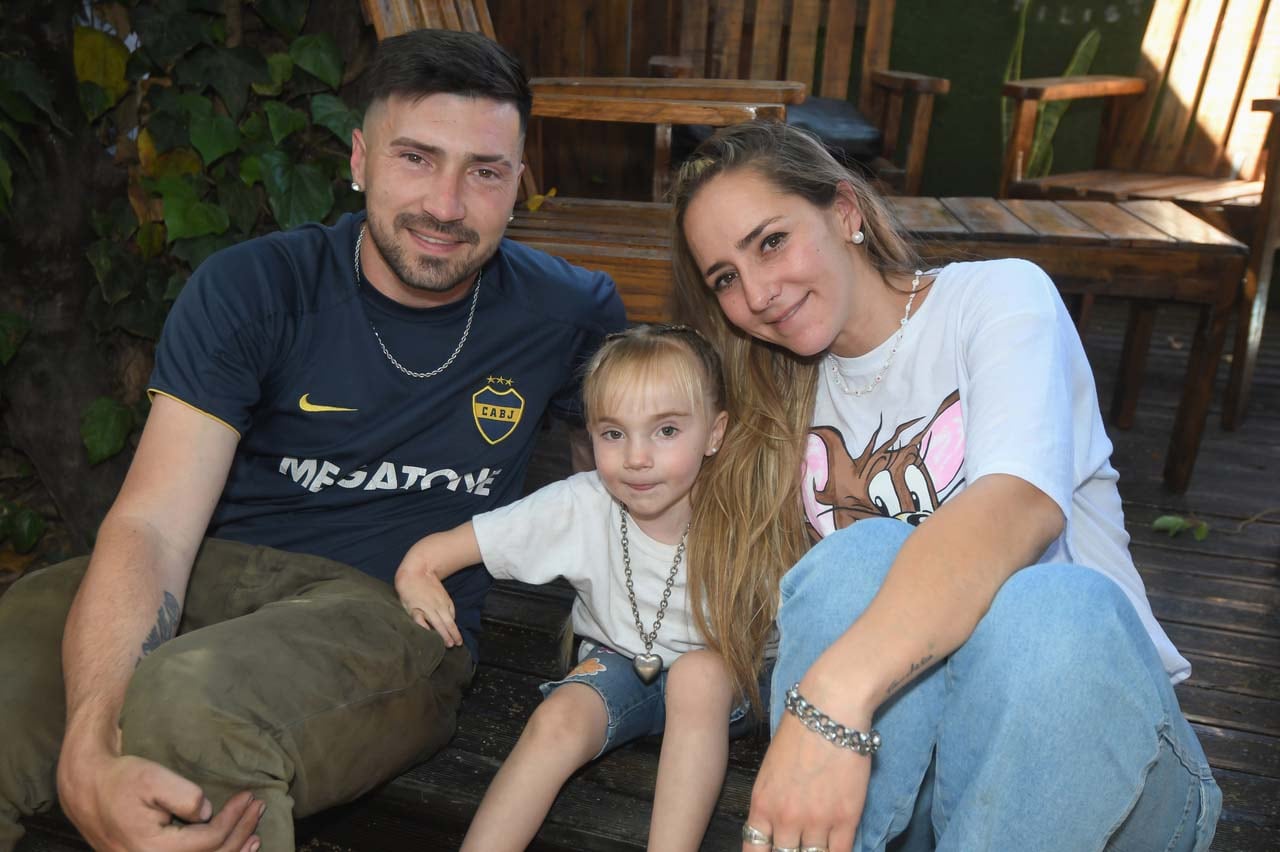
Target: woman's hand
809 792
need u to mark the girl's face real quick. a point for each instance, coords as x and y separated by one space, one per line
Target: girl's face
649 445
781 268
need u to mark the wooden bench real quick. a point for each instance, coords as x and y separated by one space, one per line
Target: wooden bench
1149 252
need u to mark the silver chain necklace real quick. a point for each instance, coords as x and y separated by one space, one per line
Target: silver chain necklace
902 329
466 331
648 665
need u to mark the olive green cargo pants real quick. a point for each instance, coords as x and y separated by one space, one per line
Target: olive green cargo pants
293 676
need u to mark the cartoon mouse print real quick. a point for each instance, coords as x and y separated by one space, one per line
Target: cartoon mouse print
907 481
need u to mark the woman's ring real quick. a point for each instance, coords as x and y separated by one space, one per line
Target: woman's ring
754 836
786 849
813 849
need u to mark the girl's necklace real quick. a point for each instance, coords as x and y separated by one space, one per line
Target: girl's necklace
897 341
648 665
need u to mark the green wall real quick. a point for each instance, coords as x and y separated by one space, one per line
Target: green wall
968 41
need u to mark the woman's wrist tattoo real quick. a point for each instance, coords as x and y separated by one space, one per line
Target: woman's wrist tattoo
917 666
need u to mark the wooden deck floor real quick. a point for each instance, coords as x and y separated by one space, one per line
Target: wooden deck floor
1219 599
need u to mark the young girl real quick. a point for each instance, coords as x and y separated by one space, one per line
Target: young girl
654 400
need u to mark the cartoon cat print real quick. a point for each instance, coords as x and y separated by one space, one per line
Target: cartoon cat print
907 481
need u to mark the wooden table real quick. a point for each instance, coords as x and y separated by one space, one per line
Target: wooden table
1149 252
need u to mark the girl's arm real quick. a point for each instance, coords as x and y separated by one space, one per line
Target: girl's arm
419 579
941 584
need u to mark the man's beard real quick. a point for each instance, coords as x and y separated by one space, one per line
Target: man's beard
433 274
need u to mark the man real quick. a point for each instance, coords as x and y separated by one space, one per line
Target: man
321 399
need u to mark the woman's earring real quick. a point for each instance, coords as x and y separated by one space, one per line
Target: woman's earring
355 186
858 238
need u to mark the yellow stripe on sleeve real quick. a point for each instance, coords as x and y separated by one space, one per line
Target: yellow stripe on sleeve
153 393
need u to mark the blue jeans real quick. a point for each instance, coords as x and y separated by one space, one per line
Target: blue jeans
1053 727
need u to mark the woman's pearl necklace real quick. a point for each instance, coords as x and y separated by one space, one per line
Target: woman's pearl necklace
897 341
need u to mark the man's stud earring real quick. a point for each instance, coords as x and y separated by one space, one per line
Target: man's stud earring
355 186
511 218
858 238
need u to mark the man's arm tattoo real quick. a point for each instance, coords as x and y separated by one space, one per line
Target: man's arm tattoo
911 672
166 626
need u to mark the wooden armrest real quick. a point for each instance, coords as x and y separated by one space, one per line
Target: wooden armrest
1066 88
650 110
670 66
908 81
1271 105
689 88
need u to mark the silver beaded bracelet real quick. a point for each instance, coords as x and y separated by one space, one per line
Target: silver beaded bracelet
832 731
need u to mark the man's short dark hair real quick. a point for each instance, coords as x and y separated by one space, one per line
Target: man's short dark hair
434 62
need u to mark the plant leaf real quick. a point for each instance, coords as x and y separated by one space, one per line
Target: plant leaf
104 428
1201 531
11 133
331 112
214 136
229 70
167 31
13 330
25 529
284 16
281 67
185 218
150 239
1171 524
283 120
100 58
20 77
94 100
1051 113
298 193
318 55
240 202
251 170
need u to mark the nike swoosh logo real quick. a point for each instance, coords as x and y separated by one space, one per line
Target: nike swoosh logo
307 405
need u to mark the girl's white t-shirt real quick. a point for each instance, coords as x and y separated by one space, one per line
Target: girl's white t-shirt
572 529
990 377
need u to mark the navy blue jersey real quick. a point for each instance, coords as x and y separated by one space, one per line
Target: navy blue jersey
341 454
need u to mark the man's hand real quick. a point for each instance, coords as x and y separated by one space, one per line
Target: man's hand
125 803
425 598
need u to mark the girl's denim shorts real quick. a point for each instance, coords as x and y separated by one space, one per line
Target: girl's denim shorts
635 709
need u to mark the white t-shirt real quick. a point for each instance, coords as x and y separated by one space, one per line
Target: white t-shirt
990 377
572 529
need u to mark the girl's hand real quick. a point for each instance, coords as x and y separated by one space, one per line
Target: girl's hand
424 597
809 792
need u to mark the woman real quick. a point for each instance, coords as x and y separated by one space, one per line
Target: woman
947 429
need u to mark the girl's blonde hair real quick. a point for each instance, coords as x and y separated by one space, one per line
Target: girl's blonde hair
634 358
748 527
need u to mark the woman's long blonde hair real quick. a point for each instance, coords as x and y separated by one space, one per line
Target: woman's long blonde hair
748 527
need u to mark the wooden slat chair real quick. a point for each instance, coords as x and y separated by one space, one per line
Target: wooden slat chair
617 237
1191 127
813 42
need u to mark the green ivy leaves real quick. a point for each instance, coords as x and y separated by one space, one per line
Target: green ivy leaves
318 55
100 61
21 526
1177 524
104 428
298 193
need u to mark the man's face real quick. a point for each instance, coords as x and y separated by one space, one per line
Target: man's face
440 176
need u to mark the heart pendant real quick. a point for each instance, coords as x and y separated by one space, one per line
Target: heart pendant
647 666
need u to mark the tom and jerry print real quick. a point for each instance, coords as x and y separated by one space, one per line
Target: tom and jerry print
903 478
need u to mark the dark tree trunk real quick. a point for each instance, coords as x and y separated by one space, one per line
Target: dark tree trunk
62 366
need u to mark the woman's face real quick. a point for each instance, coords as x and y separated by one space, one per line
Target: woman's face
781 268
